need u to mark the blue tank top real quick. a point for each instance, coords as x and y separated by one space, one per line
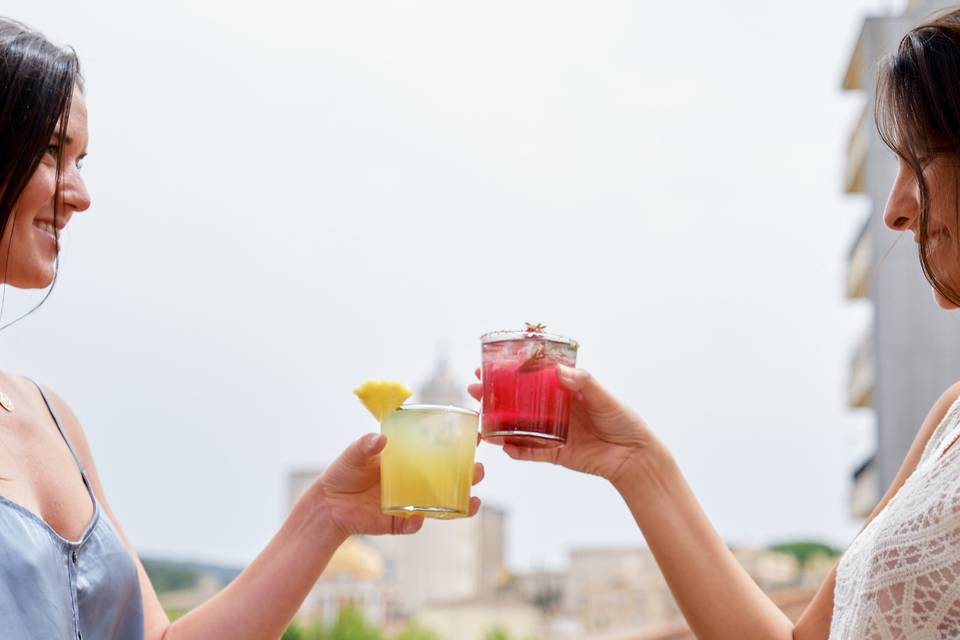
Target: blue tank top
51 587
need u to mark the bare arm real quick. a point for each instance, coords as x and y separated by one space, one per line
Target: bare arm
717 596
260 603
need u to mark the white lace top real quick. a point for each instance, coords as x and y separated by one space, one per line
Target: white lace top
900 578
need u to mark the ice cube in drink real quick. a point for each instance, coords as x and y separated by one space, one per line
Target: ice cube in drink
524 402
427 465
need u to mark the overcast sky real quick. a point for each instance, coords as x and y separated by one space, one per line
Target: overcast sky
291 198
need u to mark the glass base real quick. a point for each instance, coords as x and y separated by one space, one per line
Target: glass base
534 439
442 513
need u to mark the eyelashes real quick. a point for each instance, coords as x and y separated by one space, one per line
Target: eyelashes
53 150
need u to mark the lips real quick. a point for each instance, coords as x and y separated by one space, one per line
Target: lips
47 227
49 230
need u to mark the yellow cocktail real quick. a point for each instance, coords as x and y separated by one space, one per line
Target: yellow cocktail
427 465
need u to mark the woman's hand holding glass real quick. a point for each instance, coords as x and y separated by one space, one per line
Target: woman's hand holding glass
349 492
606 437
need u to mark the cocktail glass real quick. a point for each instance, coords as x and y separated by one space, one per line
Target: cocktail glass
427 465
524 402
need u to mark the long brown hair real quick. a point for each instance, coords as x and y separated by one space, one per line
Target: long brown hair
37 80
918 113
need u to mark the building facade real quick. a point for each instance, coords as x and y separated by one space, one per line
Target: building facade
911 352
610 588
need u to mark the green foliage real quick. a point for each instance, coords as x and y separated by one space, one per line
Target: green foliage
805 550
351 625
175 614
414 631
293 632
166 578
497 633
299 631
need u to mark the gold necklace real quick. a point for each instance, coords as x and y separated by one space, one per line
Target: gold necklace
6 402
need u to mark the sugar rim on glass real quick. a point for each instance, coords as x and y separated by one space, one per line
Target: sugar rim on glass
505 335
437 408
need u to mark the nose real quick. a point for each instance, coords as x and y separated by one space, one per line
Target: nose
903 203
74 189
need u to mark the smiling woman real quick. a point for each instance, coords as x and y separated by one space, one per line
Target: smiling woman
43 134
918 90
66 568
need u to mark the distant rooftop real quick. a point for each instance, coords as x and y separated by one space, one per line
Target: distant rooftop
442 387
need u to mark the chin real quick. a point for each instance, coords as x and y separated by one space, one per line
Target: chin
35 279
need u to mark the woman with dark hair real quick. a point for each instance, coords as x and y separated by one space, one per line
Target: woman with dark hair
66 568
900 578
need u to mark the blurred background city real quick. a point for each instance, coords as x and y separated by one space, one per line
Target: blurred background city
291 198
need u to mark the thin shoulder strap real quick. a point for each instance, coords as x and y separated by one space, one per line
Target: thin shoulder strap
56 421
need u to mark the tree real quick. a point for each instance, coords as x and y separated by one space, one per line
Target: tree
497 633
414 631
297 631
351 625
293 632
804 551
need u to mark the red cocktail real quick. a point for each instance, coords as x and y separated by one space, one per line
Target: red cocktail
524 402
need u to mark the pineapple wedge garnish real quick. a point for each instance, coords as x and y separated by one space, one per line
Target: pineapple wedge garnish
381 397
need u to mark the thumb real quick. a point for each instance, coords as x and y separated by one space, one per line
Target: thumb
579 380
361 450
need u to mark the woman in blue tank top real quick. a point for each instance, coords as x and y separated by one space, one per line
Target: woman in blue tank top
66 568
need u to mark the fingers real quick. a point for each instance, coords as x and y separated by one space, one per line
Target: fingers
476 390
478 472
359 452
405 526
586 387
530 453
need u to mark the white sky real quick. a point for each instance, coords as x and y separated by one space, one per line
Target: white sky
290 198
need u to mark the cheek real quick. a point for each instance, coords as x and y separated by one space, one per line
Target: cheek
37 197
945 200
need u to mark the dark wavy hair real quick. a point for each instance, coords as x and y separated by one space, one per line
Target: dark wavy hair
37 81
918 113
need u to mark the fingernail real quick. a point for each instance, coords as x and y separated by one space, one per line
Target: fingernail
371 442
565 372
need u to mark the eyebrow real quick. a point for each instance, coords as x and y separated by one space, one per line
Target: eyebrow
67 140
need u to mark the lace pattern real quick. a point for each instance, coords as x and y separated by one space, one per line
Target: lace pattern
900 578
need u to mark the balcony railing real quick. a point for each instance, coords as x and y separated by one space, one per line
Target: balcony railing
860 263
865 492
853 178
862 374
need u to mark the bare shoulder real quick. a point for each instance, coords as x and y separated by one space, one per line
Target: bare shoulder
71 426
938 412
815 621
928 427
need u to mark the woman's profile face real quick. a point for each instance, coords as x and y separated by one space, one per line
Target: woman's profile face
28 248
942 173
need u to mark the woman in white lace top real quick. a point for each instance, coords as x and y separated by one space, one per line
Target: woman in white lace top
900 578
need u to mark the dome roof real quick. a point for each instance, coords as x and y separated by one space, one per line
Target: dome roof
355 559
443 387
